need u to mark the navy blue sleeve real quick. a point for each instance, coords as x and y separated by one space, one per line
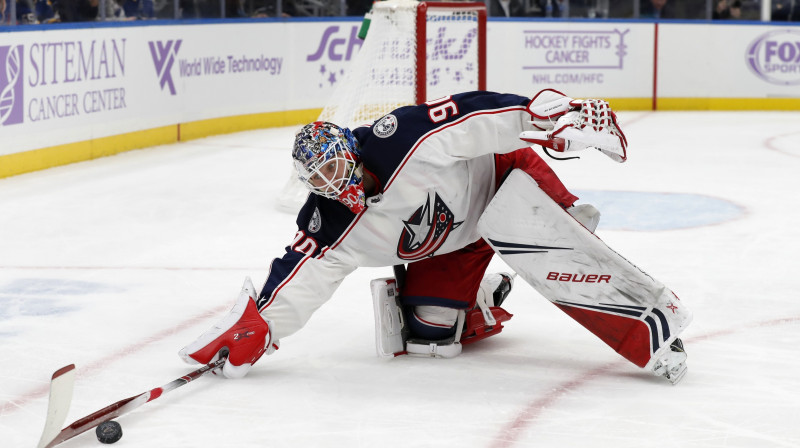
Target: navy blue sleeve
320 223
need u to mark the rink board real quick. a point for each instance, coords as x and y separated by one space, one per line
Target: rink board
69 93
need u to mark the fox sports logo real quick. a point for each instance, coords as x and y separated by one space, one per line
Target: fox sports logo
775 57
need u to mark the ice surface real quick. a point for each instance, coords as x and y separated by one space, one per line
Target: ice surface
115 264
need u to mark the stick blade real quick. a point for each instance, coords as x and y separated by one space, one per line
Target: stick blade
61 386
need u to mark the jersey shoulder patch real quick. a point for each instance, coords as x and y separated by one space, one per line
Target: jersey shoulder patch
324 219
385 127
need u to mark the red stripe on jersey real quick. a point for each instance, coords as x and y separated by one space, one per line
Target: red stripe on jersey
283 283
345 233
303 261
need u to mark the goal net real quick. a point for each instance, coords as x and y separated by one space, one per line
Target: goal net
413 52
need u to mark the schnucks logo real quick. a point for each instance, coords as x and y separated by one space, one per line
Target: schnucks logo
11 99
333 48
775 57
163 54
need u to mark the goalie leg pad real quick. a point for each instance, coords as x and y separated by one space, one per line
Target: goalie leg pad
392 332
587 215
390 329
434 331
630 311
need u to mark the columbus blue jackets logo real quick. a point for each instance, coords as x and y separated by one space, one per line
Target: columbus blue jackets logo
426 230
316 222
385 127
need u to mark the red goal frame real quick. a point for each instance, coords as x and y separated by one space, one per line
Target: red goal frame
422 39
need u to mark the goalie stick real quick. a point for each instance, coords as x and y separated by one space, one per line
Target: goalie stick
61 387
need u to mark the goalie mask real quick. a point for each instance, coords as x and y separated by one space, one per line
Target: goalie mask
328 162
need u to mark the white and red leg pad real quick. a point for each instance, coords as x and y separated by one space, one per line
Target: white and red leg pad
389 322
626 308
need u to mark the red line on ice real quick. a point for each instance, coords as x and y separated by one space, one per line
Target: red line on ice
770 143
510 434
98 365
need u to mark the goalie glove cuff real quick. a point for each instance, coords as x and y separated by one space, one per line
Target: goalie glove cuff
547 107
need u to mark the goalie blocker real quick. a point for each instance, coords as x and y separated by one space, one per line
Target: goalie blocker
633 313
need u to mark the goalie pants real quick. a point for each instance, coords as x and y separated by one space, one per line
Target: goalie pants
452 280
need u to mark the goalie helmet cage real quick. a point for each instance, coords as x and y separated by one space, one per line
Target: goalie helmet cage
413 52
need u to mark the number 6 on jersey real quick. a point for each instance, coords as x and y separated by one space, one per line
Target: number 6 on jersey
441 109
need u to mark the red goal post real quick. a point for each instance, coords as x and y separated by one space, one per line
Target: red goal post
422 36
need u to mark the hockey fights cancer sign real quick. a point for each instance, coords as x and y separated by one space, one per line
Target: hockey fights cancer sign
573 57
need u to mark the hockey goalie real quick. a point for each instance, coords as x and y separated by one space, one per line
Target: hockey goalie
436 190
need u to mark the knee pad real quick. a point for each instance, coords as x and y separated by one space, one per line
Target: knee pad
432 323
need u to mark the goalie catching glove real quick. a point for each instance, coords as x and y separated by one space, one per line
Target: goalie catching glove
242 336
566 124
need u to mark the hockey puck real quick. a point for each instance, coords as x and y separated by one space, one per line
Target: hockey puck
108 432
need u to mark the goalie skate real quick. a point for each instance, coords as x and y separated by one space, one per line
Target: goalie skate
672 363
447 348
487 318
